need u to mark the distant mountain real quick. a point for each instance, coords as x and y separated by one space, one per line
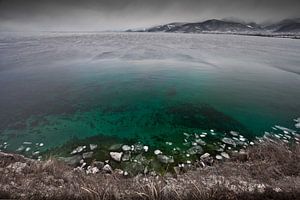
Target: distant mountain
290 26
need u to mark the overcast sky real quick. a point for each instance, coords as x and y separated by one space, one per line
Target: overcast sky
95 15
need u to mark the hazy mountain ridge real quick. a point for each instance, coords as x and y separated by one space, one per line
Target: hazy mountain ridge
284 27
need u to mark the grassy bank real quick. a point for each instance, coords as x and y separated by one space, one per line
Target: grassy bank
268 170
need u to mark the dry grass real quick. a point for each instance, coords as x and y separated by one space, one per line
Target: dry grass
267 171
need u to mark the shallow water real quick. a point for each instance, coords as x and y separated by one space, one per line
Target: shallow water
149 87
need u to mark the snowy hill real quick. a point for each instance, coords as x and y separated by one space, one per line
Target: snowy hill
285 27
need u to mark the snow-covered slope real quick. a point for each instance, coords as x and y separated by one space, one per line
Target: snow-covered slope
286 27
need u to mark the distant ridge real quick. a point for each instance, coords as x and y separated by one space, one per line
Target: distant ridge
285 27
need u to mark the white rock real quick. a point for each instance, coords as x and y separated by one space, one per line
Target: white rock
27 149
21 148
188 162
146 148
157 152
92 170
206 155
126 148
116 156
228 141
78 149
251 143
278 136
93 146
186 134
27 143
41 144
219 157
234 133
107 168
225 155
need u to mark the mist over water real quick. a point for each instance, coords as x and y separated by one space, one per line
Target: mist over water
146 86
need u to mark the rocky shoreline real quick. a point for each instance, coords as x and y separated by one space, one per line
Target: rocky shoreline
272 167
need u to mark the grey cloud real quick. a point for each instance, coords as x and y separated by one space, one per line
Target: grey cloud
122 14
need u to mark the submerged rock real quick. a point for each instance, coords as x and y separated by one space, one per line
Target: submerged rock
87 155
93 146
234 133
115 147
27 143
229 141
78 150
200 141
116 156
21 148
195 150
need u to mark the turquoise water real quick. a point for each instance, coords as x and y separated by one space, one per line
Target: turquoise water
146 87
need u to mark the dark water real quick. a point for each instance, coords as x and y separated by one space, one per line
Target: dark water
150 87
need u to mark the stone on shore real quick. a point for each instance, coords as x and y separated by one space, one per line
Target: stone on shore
218 157
225 155
206 155
126 148
116 156
107 168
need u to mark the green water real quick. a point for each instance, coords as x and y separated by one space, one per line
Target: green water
147 100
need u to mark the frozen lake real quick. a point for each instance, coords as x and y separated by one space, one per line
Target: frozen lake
148 86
